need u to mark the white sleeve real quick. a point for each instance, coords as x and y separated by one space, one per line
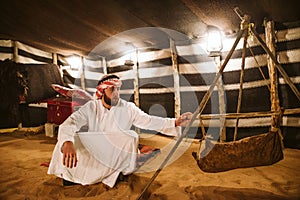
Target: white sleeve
73 123
164 125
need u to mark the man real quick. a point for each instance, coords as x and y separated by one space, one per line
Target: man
79 159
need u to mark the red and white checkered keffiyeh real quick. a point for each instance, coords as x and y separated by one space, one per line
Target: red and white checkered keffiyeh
110 82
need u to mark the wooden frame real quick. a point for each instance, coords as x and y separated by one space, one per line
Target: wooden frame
275 112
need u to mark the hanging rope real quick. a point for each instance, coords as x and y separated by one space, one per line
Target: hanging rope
259 67
250 35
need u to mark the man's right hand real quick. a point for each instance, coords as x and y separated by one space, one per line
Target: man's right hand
69 154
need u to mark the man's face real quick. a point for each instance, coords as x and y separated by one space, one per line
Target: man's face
111 95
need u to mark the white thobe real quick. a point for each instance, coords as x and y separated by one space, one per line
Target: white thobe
114 126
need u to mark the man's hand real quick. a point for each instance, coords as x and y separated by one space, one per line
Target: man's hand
69 154
184 119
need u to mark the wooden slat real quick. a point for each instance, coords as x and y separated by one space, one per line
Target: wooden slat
250 114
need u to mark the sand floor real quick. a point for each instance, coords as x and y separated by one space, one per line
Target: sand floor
23 178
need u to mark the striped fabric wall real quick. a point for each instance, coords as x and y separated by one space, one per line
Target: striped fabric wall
91 68
6 49
22 53
155 79
86 75
196 73
256 95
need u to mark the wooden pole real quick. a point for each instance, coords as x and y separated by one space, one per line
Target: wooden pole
275 106
16 59
54 58
222 105
290 111
16 52
136 81
241 84
175 78
203 135
202 127
195 114
104 65
136 93
278 66
82 76
238 115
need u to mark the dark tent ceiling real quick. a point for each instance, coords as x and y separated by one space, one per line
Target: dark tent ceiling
77 26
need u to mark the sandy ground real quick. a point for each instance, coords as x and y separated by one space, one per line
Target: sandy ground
23 177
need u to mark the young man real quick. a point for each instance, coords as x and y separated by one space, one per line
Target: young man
110 119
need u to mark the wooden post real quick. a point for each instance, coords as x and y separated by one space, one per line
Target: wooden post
222 104
136 81
275 106
54 58
16 52
82 76
16 59
241 84
176 79
136 93
104 66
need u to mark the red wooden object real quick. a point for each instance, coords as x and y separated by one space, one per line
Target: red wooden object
59 109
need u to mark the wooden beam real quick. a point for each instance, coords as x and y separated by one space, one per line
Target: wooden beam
222 104
275 106
175 78
136 93
54 58
16 59
82 75
250 114
16 52
241 84
104 65
135 69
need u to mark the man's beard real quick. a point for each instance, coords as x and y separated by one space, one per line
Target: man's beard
109 101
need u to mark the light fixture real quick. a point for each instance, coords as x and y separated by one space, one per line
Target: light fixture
214 41
129 58
128 63
74 62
